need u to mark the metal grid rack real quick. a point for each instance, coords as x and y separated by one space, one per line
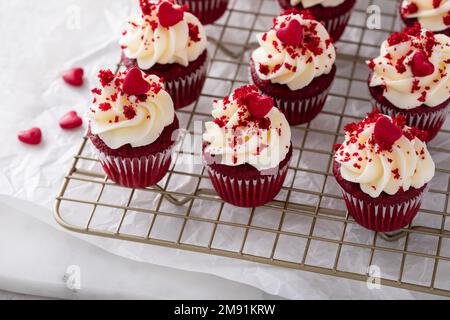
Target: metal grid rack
315 208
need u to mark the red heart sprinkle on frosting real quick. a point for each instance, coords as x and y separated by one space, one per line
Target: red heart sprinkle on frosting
292 34
386 133
420 65
258 105
32 136
70 120
74 77
168 15
134 84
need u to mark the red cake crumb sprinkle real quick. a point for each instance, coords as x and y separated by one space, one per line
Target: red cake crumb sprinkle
97 91
264 69
105 106
146 7
129 112
447 19
396 173
410 8
106 77
371 64
397 38
436 3
194 32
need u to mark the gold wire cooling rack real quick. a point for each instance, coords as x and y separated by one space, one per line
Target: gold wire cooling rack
415 258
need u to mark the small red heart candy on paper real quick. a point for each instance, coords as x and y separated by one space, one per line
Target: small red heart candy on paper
258 105
420 65
386 133
32 136
292 34
74 77
168 15
134 84
70 120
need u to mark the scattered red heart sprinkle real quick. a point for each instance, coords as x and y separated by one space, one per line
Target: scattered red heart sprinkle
258 105
168 15
292 34
386 133
420 65
134 84
70 120
74 76
32 136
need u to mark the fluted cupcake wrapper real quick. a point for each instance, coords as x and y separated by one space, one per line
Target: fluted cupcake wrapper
186 90
245 192
137 172
381 217
336 26
207 11
301 111
431 122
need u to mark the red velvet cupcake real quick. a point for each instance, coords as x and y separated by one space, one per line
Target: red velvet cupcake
170 43
295 65
207 11
433 15
247 148
411 78
132 124
334 14
383 168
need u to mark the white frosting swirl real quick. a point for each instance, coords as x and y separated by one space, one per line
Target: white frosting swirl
409 164
294 67
311 3
403 89
429 16
120 119
239 139
147 41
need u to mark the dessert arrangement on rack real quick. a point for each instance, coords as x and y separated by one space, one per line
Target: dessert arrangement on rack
383 165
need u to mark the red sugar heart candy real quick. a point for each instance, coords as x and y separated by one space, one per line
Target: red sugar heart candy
70 120
134 84
420 65
258 105
73 77
168 15
386 133
32 136
292 34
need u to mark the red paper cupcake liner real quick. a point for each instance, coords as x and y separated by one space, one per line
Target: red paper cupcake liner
382 217
207 11
248 193
301 111
187 90
336 26
431 121
137 172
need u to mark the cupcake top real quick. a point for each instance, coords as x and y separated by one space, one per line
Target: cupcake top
382 154
247 129
130 108
311 3
433 15
295 51
163 34
413 68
